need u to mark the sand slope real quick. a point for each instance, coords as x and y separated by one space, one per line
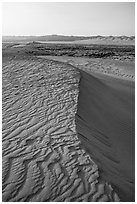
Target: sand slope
42 156
108 67
105 125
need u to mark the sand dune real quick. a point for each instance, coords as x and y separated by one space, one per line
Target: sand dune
108 67
105 125
106 41
42 156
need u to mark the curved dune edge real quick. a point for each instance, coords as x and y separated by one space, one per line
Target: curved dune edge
105 126
42 156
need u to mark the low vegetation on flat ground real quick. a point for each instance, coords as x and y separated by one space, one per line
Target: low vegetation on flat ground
92 51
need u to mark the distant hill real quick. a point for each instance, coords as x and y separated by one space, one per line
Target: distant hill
122 40
126 40
43 38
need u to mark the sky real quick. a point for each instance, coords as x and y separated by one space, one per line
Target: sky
70 18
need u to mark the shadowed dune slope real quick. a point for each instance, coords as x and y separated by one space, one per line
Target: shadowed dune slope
105 125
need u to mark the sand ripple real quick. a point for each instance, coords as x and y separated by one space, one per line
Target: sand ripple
42 155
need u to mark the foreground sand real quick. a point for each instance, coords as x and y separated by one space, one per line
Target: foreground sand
43 159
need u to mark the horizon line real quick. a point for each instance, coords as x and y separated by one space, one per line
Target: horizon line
67 35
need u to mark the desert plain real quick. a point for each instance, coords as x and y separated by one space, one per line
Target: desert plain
68 114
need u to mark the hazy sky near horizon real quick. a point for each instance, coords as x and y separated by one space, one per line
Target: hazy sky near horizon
70 18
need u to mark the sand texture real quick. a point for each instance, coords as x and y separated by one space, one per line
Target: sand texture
105 123
105 119
115 68
43 158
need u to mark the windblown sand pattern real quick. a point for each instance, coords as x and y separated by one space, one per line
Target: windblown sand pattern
105 119
42 156
115 68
